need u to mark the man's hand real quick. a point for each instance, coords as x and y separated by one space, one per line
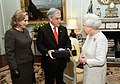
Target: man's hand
50 53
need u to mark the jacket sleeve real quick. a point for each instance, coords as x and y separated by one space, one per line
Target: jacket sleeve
39 43
68 41
10 49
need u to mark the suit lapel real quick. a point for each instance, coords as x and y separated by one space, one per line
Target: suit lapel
51 33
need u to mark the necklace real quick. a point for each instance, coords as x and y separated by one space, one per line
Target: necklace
19 29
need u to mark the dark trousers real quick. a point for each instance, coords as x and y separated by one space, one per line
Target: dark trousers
51 77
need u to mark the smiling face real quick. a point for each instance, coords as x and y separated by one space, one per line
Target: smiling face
19 19
24 22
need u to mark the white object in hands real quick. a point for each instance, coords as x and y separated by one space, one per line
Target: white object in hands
60 49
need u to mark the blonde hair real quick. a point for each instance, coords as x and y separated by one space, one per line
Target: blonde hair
18 16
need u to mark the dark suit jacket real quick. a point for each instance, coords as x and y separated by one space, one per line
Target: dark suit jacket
46 41
18 47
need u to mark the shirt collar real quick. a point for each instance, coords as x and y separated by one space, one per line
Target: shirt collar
52 26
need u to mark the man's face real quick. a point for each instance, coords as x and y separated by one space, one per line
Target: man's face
56 19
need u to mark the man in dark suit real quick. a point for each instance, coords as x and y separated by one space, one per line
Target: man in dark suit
47 43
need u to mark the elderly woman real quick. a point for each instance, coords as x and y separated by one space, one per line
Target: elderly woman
94 51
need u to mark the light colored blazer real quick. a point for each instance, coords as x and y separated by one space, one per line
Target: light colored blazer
95 50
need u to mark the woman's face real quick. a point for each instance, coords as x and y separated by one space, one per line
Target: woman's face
86 29
23 23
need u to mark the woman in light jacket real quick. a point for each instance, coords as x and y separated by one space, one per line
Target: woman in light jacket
94 51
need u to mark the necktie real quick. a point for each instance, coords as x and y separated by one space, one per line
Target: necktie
56 35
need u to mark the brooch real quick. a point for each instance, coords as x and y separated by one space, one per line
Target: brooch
94 39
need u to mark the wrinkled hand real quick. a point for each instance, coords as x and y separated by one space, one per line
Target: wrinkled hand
50 54
82 59
16 73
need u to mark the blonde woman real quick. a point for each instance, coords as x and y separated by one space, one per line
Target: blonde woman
18 49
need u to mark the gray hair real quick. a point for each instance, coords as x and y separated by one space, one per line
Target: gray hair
92 20
52 11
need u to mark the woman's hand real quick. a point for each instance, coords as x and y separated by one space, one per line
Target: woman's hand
82 59
16 73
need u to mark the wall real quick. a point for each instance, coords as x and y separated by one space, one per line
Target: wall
1 25
74 8
7 7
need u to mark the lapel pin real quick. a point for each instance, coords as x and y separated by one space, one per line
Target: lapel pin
94 39
60 30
